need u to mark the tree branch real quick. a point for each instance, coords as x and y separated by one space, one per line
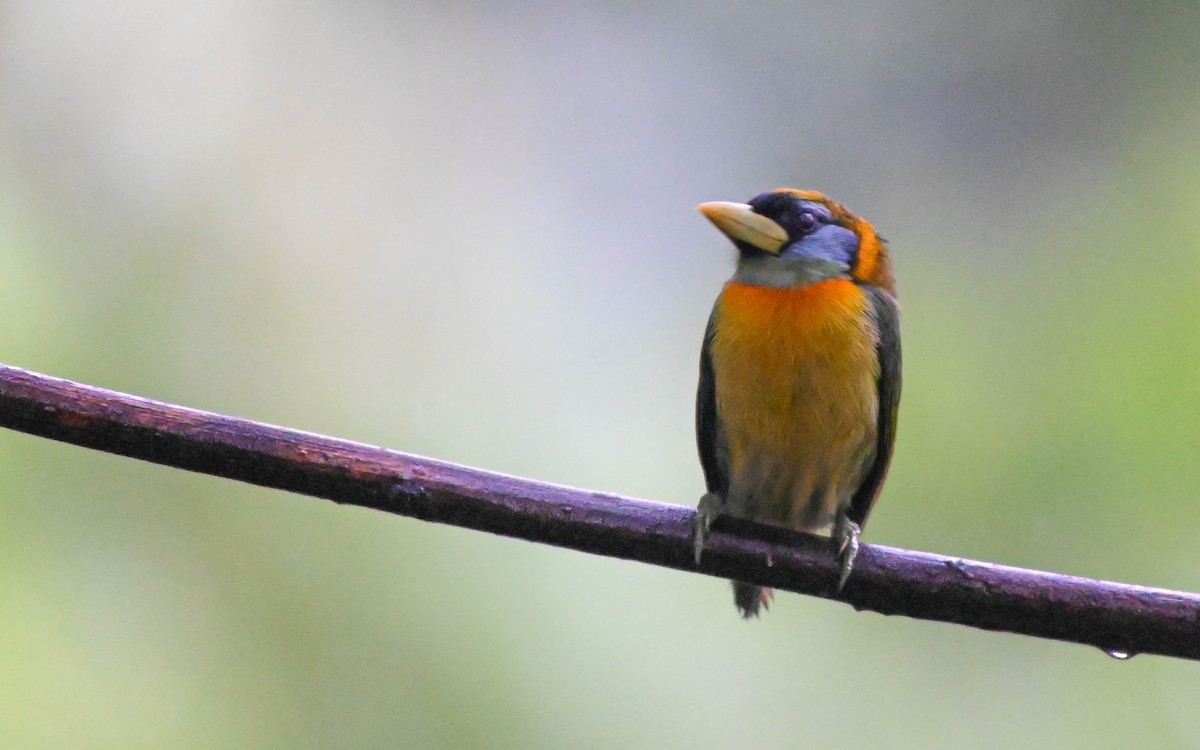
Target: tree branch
1115 617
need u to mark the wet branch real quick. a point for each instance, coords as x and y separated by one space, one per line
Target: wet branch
1112 616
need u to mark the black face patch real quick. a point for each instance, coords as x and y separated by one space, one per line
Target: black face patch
789 211
812 232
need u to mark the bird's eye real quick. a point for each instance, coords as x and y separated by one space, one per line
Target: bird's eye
807 221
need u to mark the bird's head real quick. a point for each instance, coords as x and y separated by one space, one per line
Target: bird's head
791 238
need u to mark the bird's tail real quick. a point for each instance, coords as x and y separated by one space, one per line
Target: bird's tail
750 598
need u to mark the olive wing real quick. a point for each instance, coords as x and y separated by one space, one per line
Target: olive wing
710 436
885 313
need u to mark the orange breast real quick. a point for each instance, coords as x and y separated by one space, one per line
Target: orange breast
796 375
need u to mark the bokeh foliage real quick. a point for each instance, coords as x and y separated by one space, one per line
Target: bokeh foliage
467 231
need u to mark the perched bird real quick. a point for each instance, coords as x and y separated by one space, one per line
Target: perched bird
799 374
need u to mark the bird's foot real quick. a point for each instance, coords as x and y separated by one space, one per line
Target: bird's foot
845 535
710 507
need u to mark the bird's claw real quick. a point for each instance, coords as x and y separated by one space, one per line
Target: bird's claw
846 534
708 509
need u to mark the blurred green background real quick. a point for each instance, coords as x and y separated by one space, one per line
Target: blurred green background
467 231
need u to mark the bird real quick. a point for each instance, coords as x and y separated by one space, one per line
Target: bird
799 382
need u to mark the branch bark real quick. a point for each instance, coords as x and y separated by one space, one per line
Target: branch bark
1117 618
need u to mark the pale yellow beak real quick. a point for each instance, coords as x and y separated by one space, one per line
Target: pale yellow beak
739 222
